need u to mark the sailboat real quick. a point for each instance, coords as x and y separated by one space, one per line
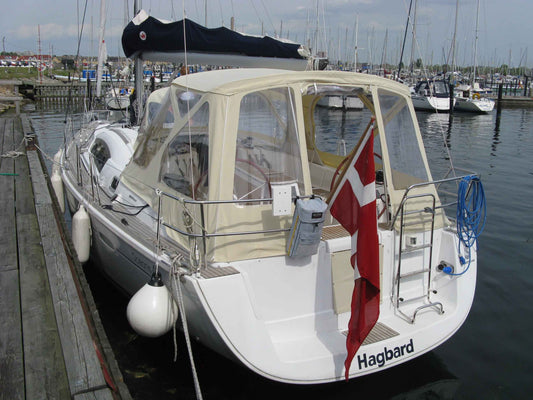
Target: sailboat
221 196
432 95
471 98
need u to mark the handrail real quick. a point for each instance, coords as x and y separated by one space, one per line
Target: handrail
417 185
210 235
237 201
204 235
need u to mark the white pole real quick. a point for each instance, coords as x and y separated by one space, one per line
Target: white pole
101 49
138 69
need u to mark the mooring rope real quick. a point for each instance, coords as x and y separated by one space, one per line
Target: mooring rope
15 153
178 295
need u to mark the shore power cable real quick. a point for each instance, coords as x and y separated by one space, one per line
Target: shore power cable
470 218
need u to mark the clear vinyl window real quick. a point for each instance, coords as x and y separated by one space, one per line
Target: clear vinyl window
185 163
405 155
268 151
157 123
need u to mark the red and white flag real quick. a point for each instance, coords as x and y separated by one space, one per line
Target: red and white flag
353 204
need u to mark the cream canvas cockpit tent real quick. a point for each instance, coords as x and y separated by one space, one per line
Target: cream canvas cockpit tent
223 137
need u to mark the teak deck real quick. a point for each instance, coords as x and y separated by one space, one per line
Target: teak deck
51 341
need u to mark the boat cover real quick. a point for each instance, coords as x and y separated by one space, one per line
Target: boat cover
146 33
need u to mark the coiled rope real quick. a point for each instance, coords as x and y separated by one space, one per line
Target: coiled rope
471 216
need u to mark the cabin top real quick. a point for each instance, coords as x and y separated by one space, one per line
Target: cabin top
230 81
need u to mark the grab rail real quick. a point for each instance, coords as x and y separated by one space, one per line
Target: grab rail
437 183
202 203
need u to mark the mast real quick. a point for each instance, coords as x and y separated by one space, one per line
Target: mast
475 45
101 50
404 37
40 57
413 40
356 33
138 71
316 29
384 52
454 35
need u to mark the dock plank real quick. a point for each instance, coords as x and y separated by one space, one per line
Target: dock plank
8 240
83 366
50 335
102 394
11 356
3 122
44 367
26 125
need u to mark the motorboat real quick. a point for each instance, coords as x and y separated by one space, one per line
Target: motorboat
208 190
229 197
432 95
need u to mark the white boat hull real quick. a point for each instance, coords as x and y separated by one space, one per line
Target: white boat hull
426 103
481 105
283 317
118 103
265 317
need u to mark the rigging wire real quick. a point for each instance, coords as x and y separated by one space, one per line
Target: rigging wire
269 19
80 34
188 105
426 76
256 12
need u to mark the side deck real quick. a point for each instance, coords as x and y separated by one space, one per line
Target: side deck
52 344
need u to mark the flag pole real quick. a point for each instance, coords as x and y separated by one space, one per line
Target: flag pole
348 160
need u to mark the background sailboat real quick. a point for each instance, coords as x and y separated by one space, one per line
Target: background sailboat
471 98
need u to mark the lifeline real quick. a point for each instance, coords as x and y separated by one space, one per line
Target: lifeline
386 355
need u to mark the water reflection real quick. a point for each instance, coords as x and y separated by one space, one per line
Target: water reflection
338 129
496 135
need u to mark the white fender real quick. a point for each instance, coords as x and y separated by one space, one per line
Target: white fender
57 184
56 166
81 233
151 311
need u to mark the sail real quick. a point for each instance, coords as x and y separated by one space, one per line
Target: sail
153 39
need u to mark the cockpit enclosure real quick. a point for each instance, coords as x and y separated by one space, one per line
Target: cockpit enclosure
215 144
432 88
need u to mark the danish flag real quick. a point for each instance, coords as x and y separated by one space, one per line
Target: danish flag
353 204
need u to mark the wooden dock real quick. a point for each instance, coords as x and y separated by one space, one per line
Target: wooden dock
52 344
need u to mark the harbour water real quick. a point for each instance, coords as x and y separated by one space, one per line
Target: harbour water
488 358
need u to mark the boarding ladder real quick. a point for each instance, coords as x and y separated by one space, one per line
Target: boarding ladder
413 248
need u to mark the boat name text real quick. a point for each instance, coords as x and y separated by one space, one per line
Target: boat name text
380 359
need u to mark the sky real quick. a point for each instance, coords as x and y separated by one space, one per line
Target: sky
505 28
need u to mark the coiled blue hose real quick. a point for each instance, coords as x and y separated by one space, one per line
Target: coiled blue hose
471 216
